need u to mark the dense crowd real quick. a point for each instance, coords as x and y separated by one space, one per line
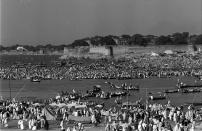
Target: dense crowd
122 117
141 67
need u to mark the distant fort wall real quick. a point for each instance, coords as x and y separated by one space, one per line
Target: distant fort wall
123 50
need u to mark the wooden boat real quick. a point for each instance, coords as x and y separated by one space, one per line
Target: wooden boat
47 78
171 90
115 86
75 79
96 89
119 93
191 90
182 85
157 97
104 95
136 88
35 79
89 94
195 103
74 97
124 78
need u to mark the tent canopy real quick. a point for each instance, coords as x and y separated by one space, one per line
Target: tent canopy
49 114
168 52
154 54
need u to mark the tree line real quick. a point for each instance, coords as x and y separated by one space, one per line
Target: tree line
128 40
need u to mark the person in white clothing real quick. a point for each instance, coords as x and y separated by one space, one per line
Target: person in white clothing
62 125
177 127
74 128
34 123
192 126
21 124
68 129
30 124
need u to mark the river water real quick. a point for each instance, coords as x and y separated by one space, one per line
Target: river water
50 88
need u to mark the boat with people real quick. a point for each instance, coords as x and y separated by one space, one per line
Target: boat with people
114 86
191 90
124 86
75 79
182 85
96 88
118 93
171 91
194 103
131 87
93 92
157 97
103 95
89 94
35 79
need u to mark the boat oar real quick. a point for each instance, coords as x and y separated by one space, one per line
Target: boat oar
20 90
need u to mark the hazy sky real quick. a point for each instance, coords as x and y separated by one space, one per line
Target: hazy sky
63 21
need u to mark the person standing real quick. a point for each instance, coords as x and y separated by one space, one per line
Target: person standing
5 119
62 125
68 129
93 119
74 128
46 125
177 127
21 124
30 124
107 127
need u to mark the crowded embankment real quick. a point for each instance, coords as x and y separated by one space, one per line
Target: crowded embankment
77 111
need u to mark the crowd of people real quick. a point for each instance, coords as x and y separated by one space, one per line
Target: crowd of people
24 112
155 117
133 117
141 67
125 116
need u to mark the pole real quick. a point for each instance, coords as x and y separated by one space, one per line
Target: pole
127 98
146 100
146 94
10 86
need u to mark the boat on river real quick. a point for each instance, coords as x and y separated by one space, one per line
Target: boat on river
35 79
182 85
131 87
157 97
171 91
194 103
196 90
118 93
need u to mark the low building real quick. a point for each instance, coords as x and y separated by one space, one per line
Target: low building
100 50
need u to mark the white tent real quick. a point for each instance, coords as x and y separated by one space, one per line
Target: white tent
20 48
50 115
168 52
154 54
63 57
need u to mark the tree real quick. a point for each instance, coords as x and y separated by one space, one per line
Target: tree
2 48
197 40
79 43
163 40
138 39
180 38
126 36
107 40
